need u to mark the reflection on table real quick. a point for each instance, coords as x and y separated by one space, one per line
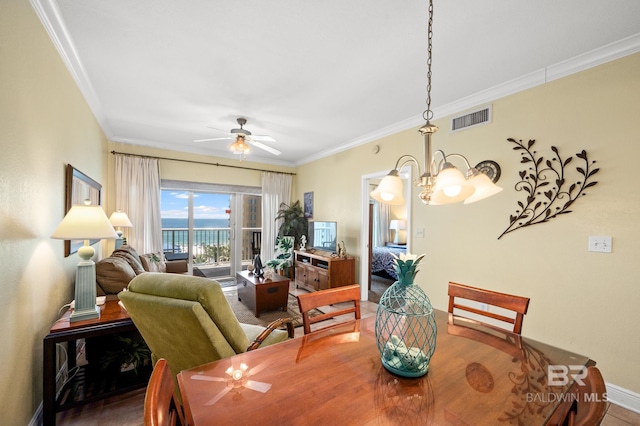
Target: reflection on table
335 377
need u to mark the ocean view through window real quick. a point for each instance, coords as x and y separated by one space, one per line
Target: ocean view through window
215 218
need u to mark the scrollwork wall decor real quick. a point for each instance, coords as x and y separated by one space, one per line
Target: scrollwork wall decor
545 182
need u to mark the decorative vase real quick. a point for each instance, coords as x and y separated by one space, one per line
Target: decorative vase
405 323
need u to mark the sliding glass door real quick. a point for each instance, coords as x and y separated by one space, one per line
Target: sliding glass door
217 232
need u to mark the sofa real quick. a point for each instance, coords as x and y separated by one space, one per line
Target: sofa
114 273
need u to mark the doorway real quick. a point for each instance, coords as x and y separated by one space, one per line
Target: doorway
368 220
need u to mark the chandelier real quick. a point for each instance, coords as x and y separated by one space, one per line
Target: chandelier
441 181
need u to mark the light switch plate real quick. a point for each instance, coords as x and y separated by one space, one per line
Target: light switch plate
600 244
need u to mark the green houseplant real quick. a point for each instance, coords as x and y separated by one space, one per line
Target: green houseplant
126 352
294 223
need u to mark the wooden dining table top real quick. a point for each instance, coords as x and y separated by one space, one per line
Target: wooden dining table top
335 377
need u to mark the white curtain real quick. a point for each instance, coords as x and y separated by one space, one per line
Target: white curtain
381 221
138 195
276 189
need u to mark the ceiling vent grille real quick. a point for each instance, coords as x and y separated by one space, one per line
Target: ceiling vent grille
472 119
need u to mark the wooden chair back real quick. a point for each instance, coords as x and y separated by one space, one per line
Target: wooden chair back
317 299
516 304
161 407
591 401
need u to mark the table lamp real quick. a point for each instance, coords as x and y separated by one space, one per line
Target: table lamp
85 222
397 225
119 220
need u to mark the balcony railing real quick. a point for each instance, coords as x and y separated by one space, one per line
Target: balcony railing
211 245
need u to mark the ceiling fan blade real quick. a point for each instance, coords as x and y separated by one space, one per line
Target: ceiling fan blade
214 139
265 147
262 138
218 130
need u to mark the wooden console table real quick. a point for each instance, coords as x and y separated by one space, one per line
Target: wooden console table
260 295
113 320
316 271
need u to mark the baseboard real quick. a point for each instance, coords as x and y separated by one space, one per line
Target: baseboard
623 397
37 419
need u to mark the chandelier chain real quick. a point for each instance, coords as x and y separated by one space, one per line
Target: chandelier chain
428 114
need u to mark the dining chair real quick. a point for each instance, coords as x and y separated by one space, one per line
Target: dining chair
516 304
317 299
161 407
591 401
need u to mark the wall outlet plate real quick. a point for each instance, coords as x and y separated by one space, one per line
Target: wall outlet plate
600 244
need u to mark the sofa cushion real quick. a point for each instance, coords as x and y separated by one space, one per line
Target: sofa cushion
130 255
153 262
113 274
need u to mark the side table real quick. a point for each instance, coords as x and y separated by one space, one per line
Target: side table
259 294
113 320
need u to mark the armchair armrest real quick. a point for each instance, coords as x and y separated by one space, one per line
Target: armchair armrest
272 326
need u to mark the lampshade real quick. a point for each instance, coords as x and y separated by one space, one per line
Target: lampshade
84 222
397 224
120 219
451 186
389 190
484 187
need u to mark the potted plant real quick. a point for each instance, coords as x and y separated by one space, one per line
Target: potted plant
126 353
294 223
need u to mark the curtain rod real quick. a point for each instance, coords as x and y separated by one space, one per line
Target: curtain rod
202 162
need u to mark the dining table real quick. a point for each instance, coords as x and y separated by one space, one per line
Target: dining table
335 377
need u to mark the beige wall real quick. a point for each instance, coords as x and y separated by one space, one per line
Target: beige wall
582 301
44 124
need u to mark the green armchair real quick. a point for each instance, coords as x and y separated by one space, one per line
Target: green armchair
188 321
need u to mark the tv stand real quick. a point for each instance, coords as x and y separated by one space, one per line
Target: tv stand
319 270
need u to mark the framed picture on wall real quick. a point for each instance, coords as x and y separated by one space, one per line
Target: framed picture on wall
308 205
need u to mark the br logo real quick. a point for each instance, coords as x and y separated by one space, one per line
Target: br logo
558 375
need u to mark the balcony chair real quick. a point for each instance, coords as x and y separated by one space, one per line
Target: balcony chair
316 299
161 406
283 256
188 321
256 243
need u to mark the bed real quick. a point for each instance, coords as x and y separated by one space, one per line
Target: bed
382 261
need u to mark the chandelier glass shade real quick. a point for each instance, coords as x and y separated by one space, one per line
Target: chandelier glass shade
441 181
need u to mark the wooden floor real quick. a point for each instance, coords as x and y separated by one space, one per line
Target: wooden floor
126 410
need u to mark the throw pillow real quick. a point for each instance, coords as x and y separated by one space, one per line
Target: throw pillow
113 274
153 262
133 260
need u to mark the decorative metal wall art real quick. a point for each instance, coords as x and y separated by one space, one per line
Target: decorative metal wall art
545 183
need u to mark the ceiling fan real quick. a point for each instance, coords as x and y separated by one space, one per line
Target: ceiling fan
243 139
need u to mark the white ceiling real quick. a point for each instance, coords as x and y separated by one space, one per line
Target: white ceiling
318 76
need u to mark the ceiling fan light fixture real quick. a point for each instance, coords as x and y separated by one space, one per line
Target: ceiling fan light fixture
240 146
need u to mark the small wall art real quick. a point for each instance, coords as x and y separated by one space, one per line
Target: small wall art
308 205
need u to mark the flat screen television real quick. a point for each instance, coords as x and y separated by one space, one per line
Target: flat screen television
322 235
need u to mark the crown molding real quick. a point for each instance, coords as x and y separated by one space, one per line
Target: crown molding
610 52
51 18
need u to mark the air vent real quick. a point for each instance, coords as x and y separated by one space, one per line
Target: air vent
472 119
